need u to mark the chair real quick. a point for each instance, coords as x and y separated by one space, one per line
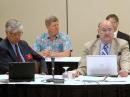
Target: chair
1 39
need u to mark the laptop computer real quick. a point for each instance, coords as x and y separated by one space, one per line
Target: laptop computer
102 65
21 71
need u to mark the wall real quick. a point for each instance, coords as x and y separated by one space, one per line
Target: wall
83 17
32 13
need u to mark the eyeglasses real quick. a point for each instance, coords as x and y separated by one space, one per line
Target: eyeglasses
16 34
107 30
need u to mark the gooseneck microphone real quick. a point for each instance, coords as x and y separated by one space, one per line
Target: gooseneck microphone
53 67
53 74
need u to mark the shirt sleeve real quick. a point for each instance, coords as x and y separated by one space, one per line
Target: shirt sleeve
67 43
37 46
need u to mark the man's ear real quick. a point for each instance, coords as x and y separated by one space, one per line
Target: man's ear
98 36
100 33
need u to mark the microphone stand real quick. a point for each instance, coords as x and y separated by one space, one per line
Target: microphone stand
53 68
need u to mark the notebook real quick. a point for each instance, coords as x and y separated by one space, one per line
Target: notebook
102 65
21 71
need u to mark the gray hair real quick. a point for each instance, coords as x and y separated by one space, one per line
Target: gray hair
13 26
50 19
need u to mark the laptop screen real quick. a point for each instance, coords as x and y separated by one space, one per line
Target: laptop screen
101 65
21 71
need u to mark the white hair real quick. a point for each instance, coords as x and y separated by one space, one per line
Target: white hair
13 26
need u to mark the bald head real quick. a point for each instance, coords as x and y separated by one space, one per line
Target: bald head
105 23
106 30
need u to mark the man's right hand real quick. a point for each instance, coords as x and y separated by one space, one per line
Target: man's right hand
45 53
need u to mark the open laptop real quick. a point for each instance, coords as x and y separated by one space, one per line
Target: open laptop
102 65
21 71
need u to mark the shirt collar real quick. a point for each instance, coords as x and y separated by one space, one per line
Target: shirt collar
102 44
115 33
12 44
57 36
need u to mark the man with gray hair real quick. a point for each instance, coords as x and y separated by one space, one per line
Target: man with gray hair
13 49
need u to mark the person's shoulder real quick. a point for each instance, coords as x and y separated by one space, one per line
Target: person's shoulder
62 33
120 41
90 43
123 34
3 41
23 42
42 35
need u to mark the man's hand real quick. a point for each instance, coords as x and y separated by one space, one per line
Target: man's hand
123 73
75 73
45 53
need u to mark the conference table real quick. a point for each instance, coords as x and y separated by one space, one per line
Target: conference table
82 86
60 62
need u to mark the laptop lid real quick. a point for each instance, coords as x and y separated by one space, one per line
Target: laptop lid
102 65
21 71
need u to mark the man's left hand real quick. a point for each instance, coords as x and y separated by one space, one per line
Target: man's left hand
123 73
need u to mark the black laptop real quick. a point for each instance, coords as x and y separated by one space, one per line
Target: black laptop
21 71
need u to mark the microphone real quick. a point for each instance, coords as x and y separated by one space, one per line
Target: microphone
43 66
53 74
53 66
